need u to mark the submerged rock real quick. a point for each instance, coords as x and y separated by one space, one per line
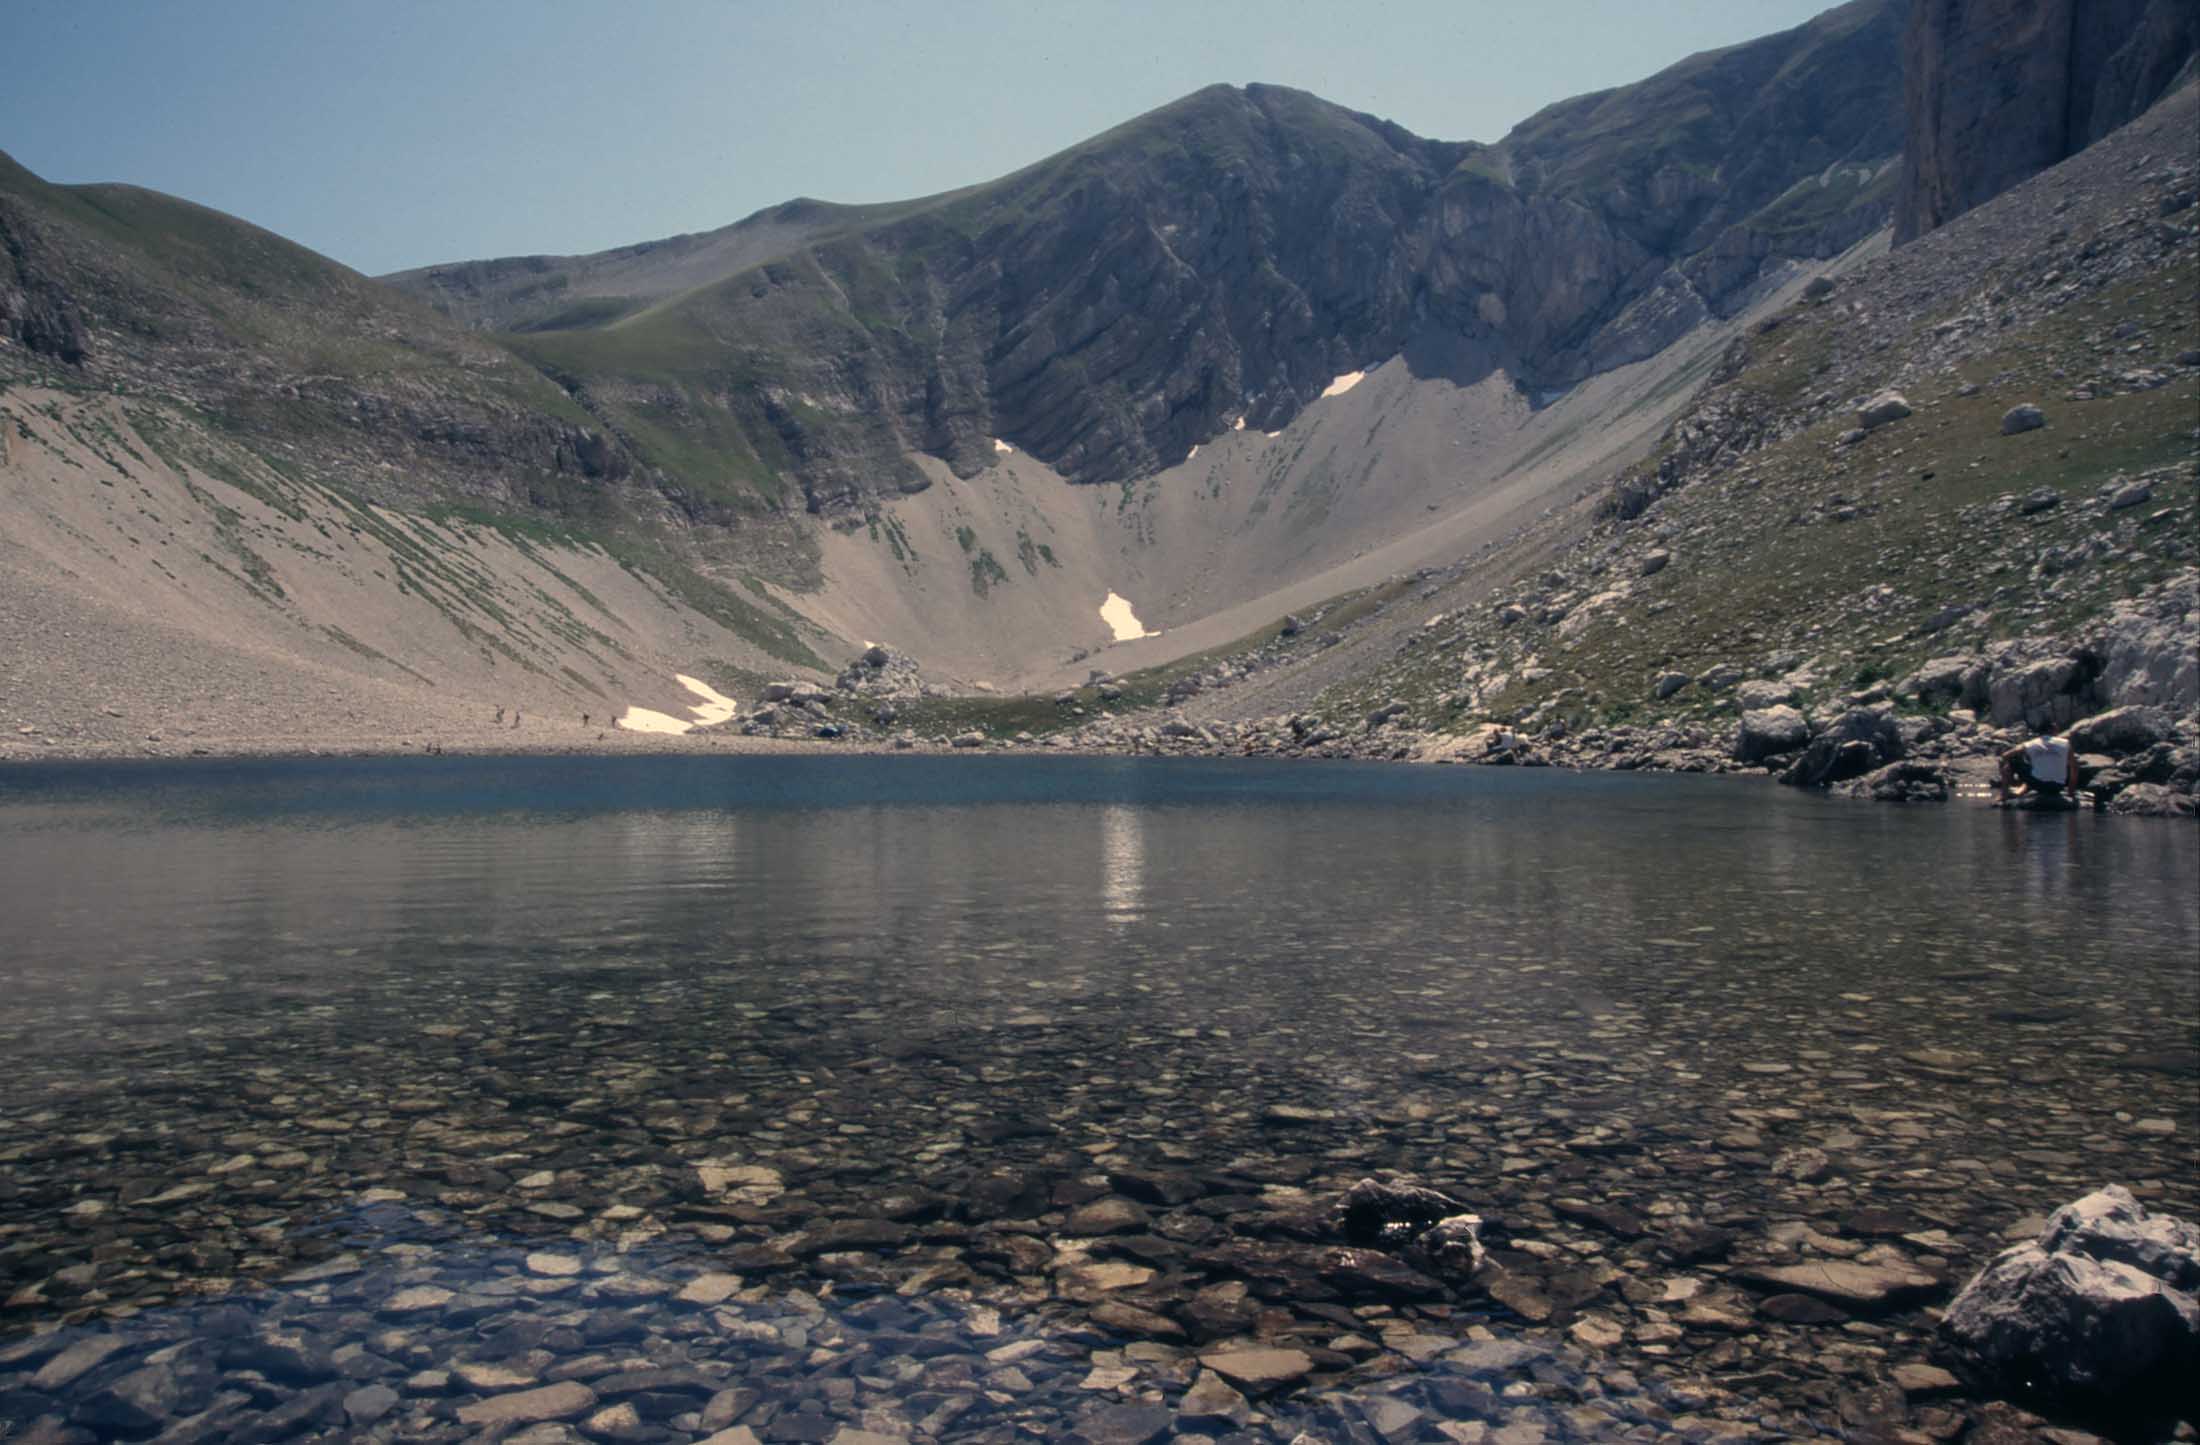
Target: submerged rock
2097 1313
1378 1211
1259 1371
1858 1288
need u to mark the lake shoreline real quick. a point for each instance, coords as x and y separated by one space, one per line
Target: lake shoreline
1970 778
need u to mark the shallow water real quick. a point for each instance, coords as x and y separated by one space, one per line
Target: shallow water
399 1023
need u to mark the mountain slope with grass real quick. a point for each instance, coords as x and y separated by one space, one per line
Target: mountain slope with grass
1948 495
247 494
1261 374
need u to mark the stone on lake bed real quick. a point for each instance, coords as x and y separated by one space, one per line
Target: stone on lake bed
1130 1320
1856 1287
1595 1332
417 1300
1124 1424
489 1375
1919 1380
561 1401
721 1178
1211 1398
1110 1274
83 1356
369 1403
553 1266
1108 1216
710 1289
1260 1370
1376 1211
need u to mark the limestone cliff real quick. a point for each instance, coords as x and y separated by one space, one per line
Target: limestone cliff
1998 90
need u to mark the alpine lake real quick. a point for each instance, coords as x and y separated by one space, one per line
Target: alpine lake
991 1099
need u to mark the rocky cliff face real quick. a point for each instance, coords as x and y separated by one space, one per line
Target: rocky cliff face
1998 90
1214 263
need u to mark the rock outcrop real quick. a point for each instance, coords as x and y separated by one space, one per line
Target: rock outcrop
1998 90
2098 1314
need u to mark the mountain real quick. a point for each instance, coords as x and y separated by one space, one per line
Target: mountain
1998 90
1218 260
1947 494
1249 355
157 297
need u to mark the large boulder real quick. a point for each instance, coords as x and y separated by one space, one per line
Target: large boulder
1956 681
1903 782
2097 1314
2148 647
1768 732
1761 692
2122 730
1888 406
2154 800
2035 694
1856 743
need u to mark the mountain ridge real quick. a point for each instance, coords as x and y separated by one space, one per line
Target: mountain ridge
1245 354
1435 230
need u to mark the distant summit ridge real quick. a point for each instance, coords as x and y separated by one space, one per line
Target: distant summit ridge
1218 260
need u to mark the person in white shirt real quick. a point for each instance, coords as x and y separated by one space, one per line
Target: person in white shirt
2043 765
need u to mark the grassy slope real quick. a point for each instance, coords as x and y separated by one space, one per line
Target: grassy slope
271 352
1840 557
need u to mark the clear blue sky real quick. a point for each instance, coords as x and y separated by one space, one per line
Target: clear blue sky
393 133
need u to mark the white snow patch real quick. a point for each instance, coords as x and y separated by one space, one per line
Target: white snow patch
1344 383
1001 446
1192 453
715 707
643 720
1116 612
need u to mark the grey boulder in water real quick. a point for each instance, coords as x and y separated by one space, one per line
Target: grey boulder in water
2098 1313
